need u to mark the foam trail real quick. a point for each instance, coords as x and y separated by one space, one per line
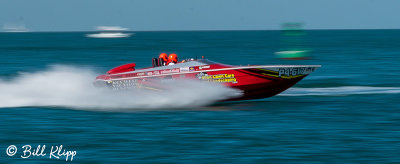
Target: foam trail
66 86
339 91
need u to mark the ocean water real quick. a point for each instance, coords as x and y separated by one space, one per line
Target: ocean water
346 111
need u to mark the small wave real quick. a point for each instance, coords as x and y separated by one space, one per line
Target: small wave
338 91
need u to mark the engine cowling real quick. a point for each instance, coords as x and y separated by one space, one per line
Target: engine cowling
122 68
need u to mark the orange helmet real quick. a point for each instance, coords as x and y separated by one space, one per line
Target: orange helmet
172 58
163 56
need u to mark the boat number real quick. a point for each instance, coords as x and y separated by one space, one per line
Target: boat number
295 71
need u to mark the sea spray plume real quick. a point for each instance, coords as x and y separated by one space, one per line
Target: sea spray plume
67 86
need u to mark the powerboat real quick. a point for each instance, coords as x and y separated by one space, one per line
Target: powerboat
109 35
18 26
255 81
15 28
110 32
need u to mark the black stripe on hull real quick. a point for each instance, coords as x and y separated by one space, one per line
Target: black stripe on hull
258 74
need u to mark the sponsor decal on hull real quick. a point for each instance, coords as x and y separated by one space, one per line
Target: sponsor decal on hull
184 69
123 84
204 67
220 78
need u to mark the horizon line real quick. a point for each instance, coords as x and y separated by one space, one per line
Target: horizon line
217 30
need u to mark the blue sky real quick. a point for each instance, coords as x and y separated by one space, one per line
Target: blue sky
149 15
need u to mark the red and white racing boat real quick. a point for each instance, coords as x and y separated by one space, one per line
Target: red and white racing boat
257 81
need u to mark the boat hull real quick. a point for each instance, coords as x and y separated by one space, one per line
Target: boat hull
264 90
254 81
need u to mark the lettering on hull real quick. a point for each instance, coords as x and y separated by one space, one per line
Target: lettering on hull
220 78
124 84
295 72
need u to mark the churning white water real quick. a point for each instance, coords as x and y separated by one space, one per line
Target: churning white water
67 86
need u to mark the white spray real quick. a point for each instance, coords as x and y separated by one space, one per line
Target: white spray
66 86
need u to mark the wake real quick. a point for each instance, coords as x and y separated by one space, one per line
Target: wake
340 91
71 87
